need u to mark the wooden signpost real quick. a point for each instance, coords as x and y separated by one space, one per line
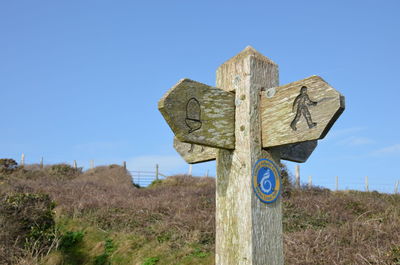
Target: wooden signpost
194 153
249 123
297 152
300 111
200 114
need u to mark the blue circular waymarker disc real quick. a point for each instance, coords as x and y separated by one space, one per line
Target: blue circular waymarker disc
266 180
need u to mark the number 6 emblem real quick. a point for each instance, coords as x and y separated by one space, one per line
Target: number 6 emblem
266 180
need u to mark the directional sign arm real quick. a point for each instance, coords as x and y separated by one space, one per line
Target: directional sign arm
194 153
297 152
200 114
300 111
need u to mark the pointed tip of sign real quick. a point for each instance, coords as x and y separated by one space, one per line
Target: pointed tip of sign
249 47
250 51
179 83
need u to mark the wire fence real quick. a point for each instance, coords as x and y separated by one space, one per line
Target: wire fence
337 183
145 178
359 186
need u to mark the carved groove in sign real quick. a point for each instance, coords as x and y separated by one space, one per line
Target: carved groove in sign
193 115
301 104
192 148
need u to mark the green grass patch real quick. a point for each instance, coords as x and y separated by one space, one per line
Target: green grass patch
151 261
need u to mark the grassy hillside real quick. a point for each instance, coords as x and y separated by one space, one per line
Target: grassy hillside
100 218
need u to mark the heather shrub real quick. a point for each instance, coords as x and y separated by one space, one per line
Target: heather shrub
113 175
7 166
63 171
287 183
28 172
27 223
394 255
181 181
155 183
175 218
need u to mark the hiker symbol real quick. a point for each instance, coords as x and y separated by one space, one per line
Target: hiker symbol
301 104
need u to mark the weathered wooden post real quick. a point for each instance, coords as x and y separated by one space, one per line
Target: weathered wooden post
248 124
190 170
297 176
248 231
41 163
366 184
337 183
309 182
75 165
157 172
22 163
396 187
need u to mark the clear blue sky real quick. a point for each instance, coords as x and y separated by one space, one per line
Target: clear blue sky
80 80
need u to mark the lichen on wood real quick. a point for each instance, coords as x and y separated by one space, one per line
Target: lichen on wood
211 123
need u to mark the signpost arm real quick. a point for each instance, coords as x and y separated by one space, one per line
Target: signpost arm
248 231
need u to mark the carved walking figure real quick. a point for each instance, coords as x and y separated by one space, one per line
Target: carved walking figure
301 104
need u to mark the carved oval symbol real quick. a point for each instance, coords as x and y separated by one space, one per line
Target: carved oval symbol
193 115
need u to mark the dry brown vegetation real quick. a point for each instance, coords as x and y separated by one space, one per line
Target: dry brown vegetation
320 226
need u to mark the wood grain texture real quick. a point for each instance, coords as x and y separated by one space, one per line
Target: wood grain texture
247 230
291 116
193 153
297 152
200 114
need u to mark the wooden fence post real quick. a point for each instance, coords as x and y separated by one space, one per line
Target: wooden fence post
75 165
337 183
396 188
297 175
309 182
248 231
22 163
190 170
41 163
157 168
366 184
124 164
